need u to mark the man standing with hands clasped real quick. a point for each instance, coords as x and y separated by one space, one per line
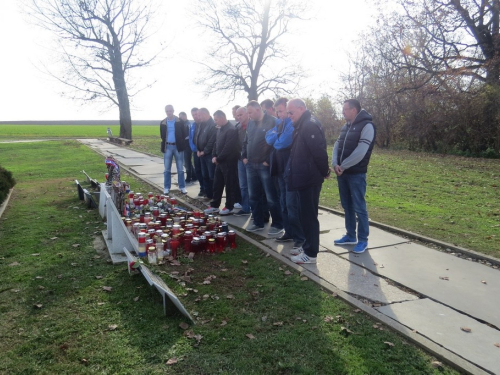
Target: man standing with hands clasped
305 172
351 155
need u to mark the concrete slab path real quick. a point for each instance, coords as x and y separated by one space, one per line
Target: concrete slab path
430 292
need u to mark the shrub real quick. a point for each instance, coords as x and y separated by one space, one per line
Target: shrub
7 182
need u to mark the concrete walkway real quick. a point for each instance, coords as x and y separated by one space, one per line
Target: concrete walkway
446 303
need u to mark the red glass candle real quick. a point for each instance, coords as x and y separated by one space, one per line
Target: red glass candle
174 245
232 239
212 247
221 241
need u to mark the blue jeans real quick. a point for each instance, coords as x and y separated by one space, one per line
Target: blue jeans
309 202
290 210
352 190
197 168
242 176
170 153
208 171
260 184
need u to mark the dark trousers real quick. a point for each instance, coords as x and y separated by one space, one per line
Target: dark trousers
308 202
226 175
207 171
188 164
197 168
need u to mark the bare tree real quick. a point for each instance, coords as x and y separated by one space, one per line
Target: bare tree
99 42
247 54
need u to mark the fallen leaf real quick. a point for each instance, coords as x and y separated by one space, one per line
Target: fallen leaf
328 319
39 277
334 295
250 336
497 344
224 270
304 278
74 264
278 324
107 288
76 245
191 256
101 303
389 343
444 278
466 329
230 296
136 299
436 364
483 281
345 330
288 273
14 264
171 361
206 282
184 325
54 238
244 261
264 318
83 361
35 255
223 323
41 287
112 327
99 277
357 310
38 306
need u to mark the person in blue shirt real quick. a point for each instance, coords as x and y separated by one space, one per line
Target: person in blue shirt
280 137
173 133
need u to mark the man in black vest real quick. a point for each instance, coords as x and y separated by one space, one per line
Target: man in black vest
351 155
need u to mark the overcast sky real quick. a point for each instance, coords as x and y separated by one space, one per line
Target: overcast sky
29 94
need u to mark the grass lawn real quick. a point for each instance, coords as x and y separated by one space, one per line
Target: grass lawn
254 317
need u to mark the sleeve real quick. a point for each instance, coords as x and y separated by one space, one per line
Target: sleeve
272 136
230 140
365 140
209 147
244 146
316 143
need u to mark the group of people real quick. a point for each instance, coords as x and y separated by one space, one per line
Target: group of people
272 165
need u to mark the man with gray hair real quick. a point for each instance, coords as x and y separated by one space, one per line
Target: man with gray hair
305 172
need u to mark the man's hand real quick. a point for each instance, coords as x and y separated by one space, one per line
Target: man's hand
338 170
245 161
200 153
214 160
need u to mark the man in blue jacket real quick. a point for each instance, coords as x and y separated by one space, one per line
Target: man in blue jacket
305 172
173 133
280 137
351 155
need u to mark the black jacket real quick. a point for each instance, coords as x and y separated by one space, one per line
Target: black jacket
227 145
308 162
204 137
180 134
255 147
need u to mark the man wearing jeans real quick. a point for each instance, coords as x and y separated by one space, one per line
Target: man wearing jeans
255 155
173 132
241 127
204 140
351 155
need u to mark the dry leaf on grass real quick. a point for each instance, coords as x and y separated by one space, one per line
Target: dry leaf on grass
328 319
99 277
54 238
107 288
76 245
112 327
278 324
184 325
136 299
14 264
224 322
244 261
250 336
288 273
35 255
357 310
171 361
345 330
390 344
436 364
191 256
230 296
304 278
38 306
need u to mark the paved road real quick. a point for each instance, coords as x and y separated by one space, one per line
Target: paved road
440 295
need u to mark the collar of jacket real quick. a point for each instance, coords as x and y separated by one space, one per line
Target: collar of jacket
306 116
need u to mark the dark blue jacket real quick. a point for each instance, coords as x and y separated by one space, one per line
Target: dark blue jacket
308 162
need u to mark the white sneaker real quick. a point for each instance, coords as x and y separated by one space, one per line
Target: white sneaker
303 259
211 210
297 251
238 206
225 211
184 191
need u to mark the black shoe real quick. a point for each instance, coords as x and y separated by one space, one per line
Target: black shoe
283 238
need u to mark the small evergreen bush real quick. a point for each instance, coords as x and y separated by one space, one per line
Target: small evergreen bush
7 182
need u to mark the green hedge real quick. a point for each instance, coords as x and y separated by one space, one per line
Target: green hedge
7 182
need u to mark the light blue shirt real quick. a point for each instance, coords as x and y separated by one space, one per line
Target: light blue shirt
171 131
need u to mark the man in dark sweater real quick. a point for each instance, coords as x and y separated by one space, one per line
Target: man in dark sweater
351 155
204 140
255 154
225 156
